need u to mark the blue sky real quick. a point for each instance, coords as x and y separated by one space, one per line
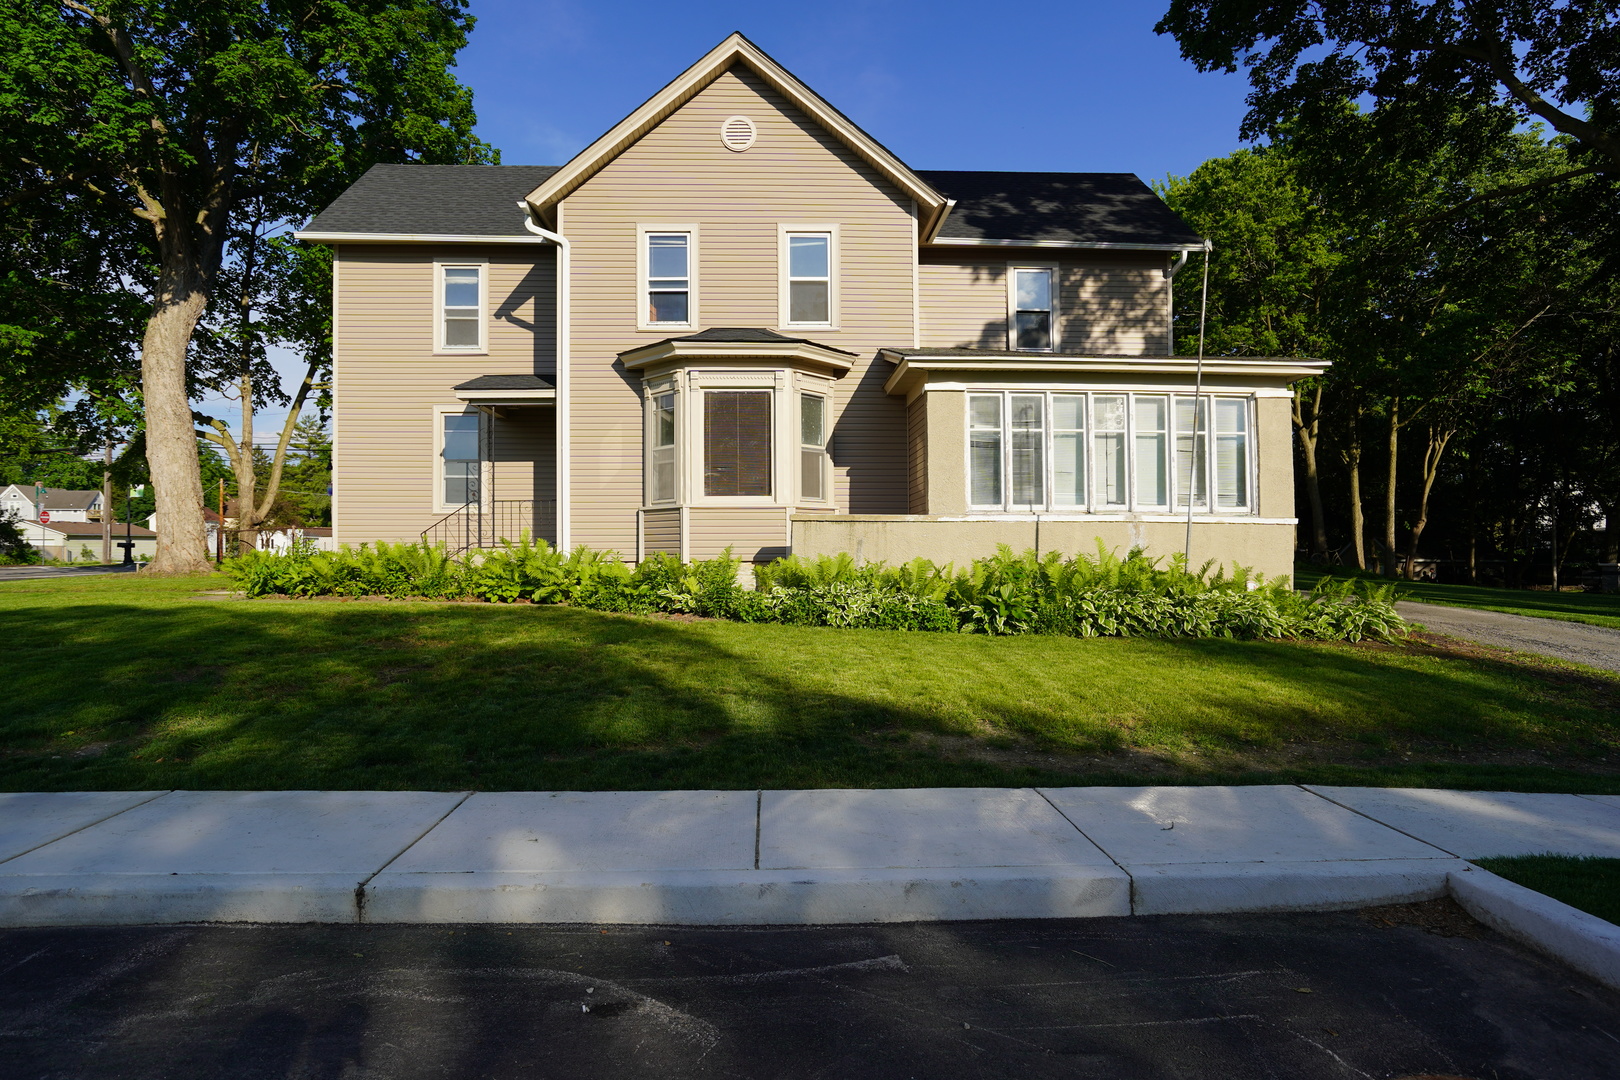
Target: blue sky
1079 86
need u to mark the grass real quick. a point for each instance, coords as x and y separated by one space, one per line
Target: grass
1598 609
1589 883
131 683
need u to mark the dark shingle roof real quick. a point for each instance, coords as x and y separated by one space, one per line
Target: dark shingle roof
507 382
67 499
1110 208
750 334
441 200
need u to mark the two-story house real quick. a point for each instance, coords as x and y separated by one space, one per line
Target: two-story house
737 320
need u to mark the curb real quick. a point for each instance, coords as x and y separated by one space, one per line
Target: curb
1585 942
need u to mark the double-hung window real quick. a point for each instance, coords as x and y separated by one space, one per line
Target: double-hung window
1070 451
667 284
1031 315
661 447
808 264
461 307
812 446
460 459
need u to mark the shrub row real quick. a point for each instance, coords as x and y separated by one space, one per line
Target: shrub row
1081 596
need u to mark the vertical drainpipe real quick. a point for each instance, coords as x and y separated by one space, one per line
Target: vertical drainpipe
564 260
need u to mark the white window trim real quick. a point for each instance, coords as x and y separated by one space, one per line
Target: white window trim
693 320
439 347
652 390
1090 506
1012 304
485 467
784 306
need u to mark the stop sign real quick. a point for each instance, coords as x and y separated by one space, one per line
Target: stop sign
44 517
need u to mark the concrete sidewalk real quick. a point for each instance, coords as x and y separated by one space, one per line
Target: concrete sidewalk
746 857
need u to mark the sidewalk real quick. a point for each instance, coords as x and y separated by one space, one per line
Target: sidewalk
746 857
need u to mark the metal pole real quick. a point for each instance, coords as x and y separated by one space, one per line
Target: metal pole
219 533
1198 401
106 505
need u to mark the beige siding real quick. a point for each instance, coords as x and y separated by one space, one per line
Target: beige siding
680 173
387 381
523 452
917 452
661 532
1109 304
753 535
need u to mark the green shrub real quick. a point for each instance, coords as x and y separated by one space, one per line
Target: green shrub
1101 595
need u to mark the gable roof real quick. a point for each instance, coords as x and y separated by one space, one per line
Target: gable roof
735 49
408 201
1058 209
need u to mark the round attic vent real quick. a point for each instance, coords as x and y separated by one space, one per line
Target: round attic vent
738 133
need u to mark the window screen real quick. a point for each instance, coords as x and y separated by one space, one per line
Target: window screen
460 307
1192 461
1032 317
669 277
460 459
1231 452
737 443
1069 449
984 449
809 277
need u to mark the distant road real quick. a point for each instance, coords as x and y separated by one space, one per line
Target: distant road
26 573
1595 646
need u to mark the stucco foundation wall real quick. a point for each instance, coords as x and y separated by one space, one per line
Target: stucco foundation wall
1265 546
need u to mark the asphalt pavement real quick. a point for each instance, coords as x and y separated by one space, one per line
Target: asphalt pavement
1196 997
32 573
1581 643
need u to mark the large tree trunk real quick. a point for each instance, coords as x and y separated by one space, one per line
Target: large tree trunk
171 439
1431 469
1352 461
1391 553
1308 440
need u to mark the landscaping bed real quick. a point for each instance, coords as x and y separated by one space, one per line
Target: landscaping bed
125 682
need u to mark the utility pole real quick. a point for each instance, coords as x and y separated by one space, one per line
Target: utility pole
106 505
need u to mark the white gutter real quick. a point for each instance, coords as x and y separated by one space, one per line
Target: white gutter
409 238
1080 245
564 261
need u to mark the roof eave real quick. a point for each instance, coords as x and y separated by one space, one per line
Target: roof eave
677 351
909 365
414 238
1097 245
686 85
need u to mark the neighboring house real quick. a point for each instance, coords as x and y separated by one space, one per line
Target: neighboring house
67 539
768 333
63 505
281 540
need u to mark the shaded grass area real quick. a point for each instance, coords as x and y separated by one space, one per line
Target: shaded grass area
1599 609
1587 882
132 683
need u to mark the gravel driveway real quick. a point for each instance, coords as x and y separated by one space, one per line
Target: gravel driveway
1583 643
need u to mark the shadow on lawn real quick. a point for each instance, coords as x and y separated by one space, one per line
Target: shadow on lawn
401 696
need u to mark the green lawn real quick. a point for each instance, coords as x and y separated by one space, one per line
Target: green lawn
1589 883
122 682
1599 609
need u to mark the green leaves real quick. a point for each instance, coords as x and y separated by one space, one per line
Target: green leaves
1101 596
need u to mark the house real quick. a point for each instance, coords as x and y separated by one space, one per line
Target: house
63 505
67 540
737 320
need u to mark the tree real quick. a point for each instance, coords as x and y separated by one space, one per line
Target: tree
1274 262
180 111
1557 62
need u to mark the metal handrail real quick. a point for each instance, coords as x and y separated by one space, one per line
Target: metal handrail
473 526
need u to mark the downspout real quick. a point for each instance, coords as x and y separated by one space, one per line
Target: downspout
564 261
1170 273
1198 411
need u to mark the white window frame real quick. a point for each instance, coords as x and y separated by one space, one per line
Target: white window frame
784 297
1012 303
698 385
643 322
653 390
439 346
1091 503
485 470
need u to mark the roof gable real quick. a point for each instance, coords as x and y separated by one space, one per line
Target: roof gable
733 51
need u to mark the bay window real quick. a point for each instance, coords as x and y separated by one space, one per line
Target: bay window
661 448
1028 452
812 446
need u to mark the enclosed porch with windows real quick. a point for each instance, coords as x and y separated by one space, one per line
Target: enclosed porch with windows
1058 453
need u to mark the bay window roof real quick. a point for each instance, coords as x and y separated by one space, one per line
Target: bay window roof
739 343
